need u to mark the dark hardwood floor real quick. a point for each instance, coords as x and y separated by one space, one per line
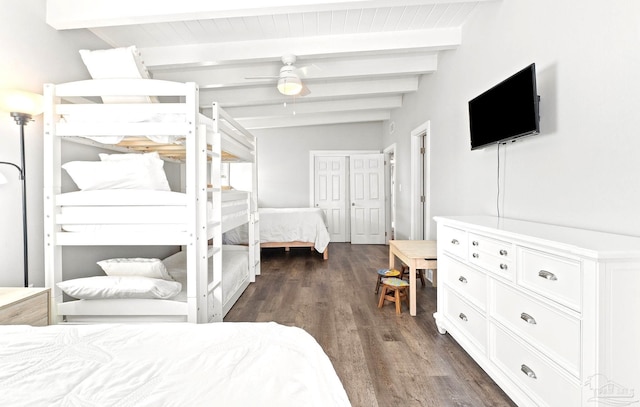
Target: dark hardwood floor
383 359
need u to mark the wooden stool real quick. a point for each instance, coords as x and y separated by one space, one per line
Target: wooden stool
399 288
384 273
419 274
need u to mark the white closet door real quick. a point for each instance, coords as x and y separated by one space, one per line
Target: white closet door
367 198
331 194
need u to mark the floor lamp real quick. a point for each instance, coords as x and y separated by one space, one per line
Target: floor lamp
22 106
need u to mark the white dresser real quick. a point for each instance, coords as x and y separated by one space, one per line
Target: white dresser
551 313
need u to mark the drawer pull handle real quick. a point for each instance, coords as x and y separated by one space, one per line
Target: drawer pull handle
503 252
475 255
527 370
528 318
455 241
503 266
462 280
463 317
475 243
548 275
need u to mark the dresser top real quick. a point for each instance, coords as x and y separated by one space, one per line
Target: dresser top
9 295
581 242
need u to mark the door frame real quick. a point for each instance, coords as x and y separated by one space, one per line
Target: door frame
389 182
417 176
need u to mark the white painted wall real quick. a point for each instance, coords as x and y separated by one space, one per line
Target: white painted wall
32 54
583 169
283 157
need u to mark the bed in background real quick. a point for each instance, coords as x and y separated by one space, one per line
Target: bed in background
288 227
231 364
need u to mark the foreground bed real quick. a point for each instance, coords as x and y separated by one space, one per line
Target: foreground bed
231 364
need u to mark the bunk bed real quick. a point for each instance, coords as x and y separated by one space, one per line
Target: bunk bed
145 117
287 228
230 364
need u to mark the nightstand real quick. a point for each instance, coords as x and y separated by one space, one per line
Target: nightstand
24 306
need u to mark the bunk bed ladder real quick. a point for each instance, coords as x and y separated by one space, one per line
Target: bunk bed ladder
215 294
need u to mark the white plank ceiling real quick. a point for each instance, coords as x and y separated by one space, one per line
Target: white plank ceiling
357 58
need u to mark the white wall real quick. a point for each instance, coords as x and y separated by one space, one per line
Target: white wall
583 169
32 53
283 157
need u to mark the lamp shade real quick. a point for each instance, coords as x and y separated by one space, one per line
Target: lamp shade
19 101
289 85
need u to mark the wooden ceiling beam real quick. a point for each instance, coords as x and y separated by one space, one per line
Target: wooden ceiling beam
360 44
74 14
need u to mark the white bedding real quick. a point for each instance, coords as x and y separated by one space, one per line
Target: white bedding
287 225
134 210
235 270
119 210
223 364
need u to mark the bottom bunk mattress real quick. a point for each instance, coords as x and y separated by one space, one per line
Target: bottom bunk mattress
98 307
287 225
229 364
235 270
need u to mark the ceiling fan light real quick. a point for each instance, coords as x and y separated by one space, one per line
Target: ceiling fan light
290 85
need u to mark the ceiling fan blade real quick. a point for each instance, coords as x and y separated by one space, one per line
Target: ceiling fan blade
308 70
262 77
305 90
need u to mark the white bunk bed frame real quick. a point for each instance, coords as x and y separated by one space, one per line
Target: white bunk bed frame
206 142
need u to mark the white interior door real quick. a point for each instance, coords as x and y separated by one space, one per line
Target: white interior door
366 174
330 194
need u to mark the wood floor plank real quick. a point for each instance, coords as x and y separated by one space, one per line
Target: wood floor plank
383 359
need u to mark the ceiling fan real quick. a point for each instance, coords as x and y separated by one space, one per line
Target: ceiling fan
289 82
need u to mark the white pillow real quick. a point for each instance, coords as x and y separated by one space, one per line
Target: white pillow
158 176
107 287
125 174
117 63
114 63
152 268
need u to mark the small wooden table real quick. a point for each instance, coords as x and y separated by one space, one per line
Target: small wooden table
417 254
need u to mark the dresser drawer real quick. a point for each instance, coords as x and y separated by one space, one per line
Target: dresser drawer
551 331
469 283
453 241
492 255
555 277
498 248
538 377
471 322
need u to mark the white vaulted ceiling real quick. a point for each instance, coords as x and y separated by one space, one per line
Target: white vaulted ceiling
357 58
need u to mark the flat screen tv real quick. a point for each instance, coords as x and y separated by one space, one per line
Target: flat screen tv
506 111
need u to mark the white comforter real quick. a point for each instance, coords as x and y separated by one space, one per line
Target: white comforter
223 364
287 225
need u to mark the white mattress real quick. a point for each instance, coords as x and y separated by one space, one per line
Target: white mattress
287 225
125 197
226 364
235 270
101 210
